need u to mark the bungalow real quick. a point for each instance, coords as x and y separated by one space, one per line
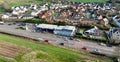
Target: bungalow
94 33
33 6
117 20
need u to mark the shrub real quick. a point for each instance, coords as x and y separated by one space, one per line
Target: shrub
88 38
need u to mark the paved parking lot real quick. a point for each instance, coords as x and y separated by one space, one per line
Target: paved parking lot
55 39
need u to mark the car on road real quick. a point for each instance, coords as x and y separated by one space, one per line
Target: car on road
61 43
65 38
78 40
84 48
102 44
96 50
46 40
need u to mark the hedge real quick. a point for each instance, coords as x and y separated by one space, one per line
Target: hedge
93 39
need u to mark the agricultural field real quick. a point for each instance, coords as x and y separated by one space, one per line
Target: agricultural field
88 0
15 49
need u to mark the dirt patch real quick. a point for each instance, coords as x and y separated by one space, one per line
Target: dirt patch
11 50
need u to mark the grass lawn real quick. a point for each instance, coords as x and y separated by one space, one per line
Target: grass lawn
47 52
88 0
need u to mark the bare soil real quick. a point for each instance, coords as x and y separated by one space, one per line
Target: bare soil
11 50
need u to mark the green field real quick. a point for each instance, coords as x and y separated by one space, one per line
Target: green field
18 3
28 2
88 0
47 52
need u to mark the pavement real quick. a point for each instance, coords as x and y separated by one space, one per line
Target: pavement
55 39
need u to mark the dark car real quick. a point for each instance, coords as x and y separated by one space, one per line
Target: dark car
61 44
71 38
84 48
22 24
9 24
46 40
109 45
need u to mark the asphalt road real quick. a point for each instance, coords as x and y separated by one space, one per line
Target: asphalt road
55 39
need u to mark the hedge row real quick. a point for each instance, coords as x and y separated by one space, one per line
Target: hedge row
93 39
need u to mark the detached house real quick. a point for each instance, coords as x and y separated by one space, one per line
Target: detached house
117 20
94 33
114 34
33 6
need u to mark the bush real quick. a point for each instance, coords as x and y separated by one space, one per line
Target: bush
88 38
36 20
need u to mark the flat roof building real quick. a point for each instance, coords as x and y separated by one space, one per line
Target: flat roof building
59 30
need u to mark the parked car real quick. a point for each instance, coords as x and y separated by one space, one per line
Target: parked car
71 38
65 38
109 45
14 23
22 24
9 24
